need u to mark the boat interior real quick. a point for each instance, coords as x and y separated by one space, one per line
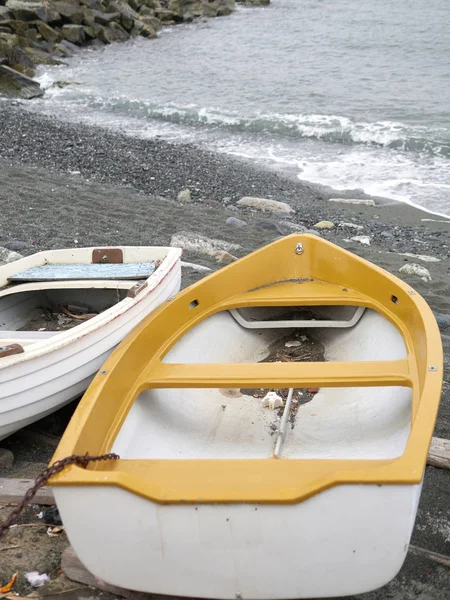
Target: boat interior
351 422
40 302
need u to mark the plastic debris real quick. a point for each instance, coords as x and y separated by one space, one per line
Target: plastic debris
37 580
415 269
8 587
272 400
55 531
293 344
362 239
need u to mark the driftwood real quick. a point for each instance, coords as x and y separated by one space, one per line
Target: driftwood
439 453
74 570
434 556
13 491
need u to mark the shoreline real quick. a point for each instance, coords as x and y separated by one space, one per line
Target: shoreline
65 185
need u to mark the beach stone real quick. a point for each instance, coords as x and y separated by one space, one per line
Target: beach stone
324 225
387 234
6 458
288 227
422 257
16 85
15 245
442 320
223 257
74 34
265 204
195 242
415 269
269 226
7 256
351 226
184 195
30 10
95 4
236 222
362 239
363 201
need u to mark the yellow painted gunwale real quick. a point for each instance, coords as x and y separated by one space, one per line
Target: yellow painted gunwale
322 274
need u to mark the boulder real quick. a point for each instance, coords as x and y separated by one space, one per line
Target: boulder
48 33
167 16
30 10
114 33
66 48
127 15
20 61
151 22
5 14
18 27
144 30
94 4
104 18
70 10
16 85
265 204
236 222
5 29
40 57
74 34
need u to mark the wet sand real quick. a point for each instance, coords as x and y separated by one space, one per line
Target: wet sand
68 185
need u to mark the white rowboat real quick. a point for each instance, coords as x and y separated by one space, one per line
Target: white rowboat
41 370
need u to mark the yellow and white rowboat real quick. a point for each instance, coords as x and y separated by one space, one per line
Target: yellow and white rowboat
218 496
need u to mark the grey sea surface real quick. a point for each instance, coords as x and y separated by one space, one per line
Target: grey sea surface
355 96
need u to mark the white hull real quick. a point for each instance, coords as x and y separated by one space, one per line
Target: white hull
216 495
315 549
52 372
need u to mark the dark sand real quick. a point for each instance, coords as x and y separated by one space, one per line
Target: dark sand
126 194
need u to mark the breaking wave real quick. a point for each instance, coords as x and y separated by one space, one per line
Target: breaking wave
326 128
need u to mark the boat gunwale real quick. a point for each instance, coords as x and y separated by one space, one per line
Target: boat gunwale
174 481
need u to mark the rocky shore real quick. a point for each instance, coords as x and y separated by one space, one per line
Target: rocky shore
35 32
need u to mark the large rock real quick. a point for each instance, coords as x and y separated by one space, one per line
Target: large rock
151 22
30 10
128 16
16 85
104 18
70 10
66 48
114 33
39 57
140 28
5 14
265 204
74 34
48 33
168 16
20 61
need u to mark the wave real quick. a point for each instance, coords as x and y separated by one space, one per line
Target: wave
326 128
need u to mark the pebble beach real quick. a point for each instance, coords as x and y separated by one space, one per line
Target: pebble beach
64 185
